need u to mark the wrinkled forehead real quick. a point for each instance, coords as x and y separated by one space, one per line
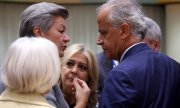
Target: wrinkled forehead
103 14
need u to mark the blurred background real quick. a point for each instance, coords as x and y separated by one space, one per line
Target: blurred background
82 26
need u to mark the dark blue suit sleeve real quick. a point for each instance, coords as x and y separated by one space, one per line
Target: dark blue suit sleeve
119 91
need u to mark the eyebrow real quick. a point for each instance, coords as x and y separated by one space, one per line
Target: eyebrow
63 26
78 62
83 64
102 31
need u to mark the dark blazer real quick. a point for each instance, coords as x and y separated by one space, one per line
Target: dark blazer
143 79
104 66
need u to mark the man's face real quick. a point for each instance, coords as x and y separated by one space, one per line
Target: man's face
108 36
57 34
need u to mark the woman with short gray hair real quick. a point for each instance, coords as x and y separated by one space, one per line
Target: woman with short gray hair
47 20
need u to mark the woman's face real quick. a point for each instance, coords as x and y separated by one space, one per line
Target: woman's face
57 34
76 66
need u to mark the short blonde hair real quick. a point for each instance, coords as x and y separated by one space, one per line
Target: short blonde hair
92 69
31 65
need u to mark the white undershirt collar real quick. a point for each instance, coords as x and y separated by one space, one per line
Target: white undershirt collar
128 49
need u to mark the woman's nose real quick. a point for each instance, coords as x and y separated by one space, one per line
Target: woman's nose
66 38
75 69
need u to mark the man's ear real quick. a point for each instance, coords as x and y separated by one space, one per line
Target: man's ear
157 45
125 30
37 32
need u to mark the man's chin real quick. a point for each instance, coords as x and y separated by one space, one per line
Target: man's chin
109 56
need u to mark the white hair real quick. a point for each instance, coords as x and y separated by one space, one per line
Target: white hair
31 65
153 30
126 11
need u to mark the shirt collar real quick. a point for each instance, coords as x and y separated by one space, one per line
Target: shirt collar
129 49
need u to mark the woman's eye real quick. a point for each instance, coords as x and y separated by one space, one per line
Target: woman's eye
83 68
70 64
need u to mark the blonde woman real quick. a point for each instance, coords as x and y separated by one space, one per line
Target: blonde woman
79 71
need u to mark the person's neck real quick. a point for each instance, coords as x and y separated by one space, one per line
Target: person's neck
70 99
129 42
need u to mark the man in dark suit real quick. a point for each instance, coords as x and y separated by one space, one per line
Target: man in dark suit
153 38
144 78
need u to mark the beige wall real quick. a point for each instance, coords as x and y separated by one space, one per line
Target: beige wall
173 31
9 24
